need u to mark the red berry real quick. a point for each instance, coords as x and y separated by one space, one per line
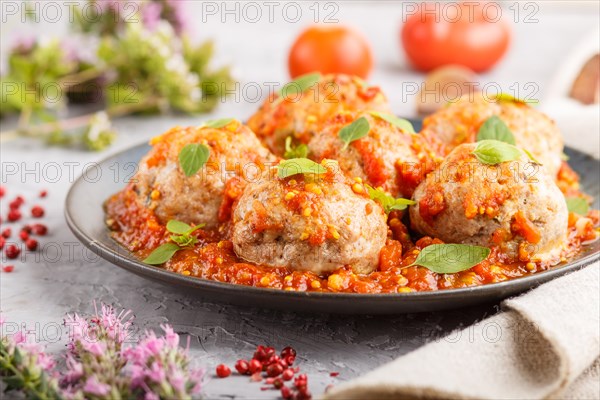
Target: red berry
260 354
278 383
26 228
290 360
288 351
286 392
31 244
8 268
242 367
274 370
6 233
287 374
24 235
14 215
43 193
255 366
12 251
334 374
223 371
304 394
2 191
39 229
270 352
2 241
273 360
301 380
37 212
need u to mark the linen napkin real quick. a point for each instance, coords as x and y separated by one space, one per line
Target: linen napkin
543 345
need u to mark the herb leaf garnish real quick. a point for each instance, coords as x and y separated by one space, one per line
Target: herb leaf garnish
299 85
296 166
495 129
451 258
192 157
578 205
400 123
388 202
182 238
217 123
512 99
354 131
495 152
300 151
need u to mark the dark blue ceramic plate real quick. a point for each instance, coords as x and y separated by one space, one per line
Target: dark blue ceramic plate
85 217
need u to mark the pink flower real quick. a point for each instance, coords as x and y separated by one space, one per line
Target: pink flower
93 387
96 348
156 372
170 336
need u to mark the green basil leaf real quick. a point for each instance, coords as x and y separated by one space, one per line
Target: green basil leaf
192 157
495 129
495 152
162 254
300 151
388 202
217 123
300 84
531 157
296 166
178 227
578 205
512 99
451 258
354 131
400 123
184 240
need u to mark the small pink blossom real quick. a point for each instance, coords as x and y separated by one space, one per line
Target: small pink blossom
92 386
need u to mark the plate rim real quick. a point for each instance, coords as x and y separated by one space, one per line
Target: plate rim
133 265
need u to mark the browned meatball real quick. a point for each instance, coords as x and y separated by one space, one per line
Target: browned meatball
308 222
387 157
236 156
459 123
514 205
302 115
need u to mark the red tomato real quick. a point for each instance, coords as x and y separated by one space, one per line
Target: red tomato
471 34
335 49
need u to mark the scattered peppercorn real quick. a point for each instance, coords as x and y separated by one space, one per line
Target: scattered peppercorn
2 242
6 233
2 191
288 374
43 193
223 371
37 212
14 215
12 251
31 244
255 366
26 228
39 229
24 235
8 268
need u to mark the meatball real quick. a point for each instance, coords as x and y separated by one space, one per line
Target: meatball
459 123
387 157
310 223
514 205
236 157
302 115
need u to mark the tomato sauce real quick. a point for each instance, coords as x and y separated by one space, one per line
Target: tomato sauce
213 258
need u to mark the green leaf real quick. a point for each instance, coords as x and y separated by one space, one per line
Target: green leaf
494 152
178 227
400 123
495 129
531 157
192 157
451 258
217 123
512 99
300 151
578 205
354 131
299 85
184 240
388 202
296 166
162 254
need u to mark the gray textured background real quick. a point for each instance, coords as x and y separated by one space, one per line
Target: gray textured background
57 280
